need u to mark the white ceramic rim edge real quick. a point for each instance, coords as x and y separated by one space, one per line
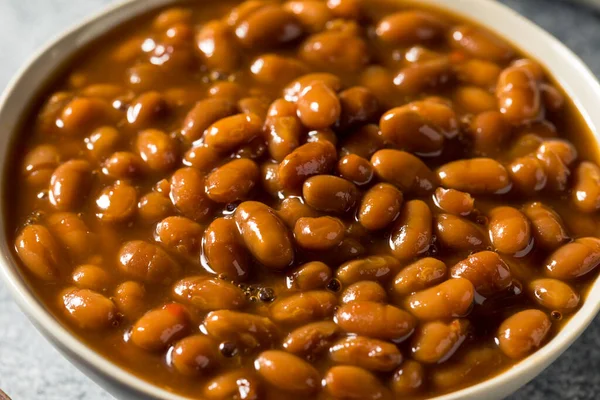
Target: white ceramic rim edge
583 88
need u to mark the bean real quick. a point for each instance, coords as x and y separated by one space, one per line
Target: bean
350 382
528 174
574 259
170 17
318 106
39 164
411 234
116 203
449 299
453 201
489 131
486 270
229 133
479 43
311 339
205 113
180 235
238 384
409 378
510 230
292 209
232 181
410 27
552 97
157 150
586 187
313 15
217 46
100 143
147 108
379 80
39 252
475 176
364 291
69 184
363 142
154 207
310 276
130 299
562 148
272 69
224 250
283 136
91 277
292 91
523 332
307 160
355 169
417 177
436 342
380 206
330 194
475 364
208 294
82 114
350 9
147 262
557 172
269 177
248 330
518 95
474 100
422 76
547 227
72 233
478 72
335 50
123 165
254 105
359 106
87 309
188 196
195 355
156 329
319 233
419 275
367 353
554 294
458 234
375 320
372 268
264 234
287 372
268 26
303 307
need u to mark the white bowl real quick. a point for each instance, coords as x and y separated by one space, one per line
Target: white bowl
570 72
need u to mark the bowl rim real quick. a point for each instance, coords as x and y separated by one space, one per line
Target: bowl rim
580 85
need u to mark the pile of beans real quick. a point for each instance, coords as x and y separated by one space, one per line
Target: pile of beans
346 199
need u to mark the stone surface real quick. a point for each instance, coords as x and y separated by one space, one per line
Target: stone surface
31 369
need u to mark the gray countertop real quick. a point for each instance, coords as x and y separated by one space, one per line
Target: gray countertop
31 369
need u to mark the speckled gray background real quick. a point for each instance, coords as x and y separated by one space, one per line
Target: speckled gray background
30 369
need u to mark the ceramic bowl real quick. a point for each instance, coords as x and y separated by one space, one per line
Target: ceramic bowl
570 72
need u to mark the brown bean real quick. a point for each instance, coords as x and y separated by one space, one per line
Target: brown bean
157 150
489 131
237 384
130 299
409 378
180 235
39 164
287 372
349 9
411 234
145 76
229 133
574 259
355 169
380 206
309 276
273 69
367 353
247 330
39 252
313 15
116 203
376 268
283 136
553 294
547 226
232 181
205 113
207 294
156 329
93 277
364 291
147 262
523 332
475 364
475 176
292 91
422 76
486 270
264 234
153 207
557 172
292 209
510 230
318 106
69 184
319 233
518 95
379 80
269 177
307 160
101 143
201 157
187 194
586 187
478 72
474 100
82 114
436 342
311 339
224 250
410 27
359 106
458 234
303 307
527 174
195 355
375 320
170 17
452 298
453 201
363 142
419 275
335 50
217 46
350 382
552 97
88 309
562 148
73 234
479 43
147 108
330 194
417 177
268 26
254 105
122 165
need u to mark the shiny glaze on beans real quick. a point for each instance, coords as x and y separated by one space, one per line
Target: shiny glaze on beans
291 199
